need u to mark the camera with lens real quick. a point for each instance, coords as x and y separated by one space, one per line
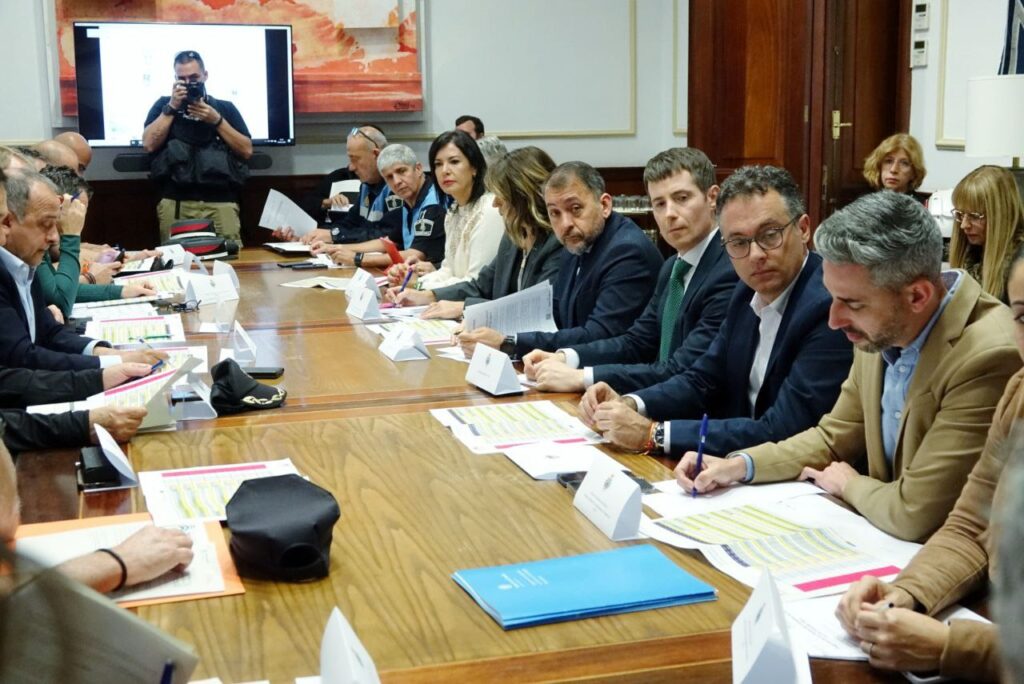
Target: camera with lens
194 92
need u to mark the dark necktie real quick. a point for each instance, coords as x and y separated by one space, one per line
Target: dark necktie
670 313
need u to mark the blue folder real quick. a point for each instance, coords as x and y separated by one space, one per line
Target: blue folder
623 580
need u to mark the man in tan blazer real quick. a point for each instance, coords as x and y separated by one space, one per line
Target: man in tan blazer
933 354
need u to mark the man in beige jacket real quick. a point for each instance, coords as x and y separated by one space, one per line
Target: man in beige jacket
933 354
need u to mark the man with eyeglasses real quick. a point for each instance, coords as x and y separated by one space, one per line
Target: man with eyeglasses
774 368
933 354
358 223
199 147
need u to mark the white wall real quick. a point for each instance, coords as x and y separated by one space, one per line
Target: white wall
494 58
973 45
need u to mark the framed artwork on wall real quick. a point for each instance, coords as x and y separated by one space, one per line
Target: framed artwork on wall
348 55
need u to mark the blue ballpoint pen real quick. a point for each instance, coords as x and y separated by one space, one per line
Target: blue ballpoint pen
408 274
700 451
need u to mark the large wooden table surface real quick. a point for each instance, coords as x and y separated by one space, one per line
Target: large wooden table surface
416 506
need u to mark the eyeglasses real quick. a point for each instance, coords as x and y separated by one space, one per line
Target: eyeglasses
358 131
187 307
769 238
973 216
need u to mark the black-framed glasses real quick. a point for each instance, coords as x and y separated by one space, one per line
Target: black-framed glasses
187 307
769 238
358 131
959 216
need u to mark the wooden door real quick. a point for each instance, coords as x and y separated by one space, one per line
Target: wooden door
749 83
765 75
864 72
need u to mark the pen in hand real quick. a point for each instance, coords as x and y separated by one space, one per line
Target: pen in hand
700 453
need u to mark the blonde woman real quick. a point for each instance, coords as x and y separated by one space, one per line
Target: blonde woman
989 220
528 253
897 164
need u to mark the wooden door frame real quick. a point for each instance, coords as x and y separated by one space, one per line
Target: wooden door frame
820 107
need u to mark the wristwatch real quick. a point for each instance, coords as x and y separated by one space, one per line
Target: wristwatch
508 346
659 438
169 110
358 259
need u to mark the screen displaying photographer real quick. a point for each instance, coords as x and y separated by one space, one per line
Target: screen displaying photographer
199 145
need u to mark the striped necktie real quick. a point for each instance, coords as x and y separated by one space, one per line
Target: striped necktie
673 301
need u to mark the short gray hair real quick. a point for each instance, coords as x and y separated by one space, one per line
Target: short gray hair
372 134
567 172
396 153
888 233
492 148
18 187
1008 575
749 181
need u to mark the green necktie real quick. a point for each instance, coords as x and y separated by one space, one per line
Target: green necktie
673 301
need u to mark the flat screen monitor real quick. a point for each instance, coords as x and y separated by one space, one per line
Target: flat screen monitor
123 68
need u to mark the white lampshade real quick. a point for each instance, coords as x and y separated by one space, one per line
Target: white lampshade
995 116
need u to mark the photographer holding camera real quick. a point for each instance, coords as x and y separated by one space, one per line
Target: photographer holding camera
199 145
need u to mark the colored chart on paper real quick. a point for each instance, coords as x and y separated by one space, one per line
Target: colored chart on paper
175 496
487 429
730 524
137 393
811 559
432 331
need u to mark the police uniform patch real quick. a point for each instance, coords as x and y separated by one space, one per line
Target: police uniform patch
393 202
423 228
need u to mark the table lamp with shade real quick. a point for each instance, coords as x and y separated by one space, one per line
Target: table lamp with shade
995 124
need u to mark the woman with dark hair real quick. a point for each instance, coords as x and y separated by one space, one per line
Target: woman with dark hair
528 253
473 227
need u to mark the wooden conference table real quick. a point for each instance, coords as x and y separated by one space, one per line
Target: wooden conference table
416 506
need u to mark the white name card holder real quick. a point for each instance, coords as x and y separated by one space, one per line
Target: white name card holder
492 371
193 260
343 658
117 458
244 350
223 268
610 499
362 304
159 415
761 649
404 345
362 280
195 409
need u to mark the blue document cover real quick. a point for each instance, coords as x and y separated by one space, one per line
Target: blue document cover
619 581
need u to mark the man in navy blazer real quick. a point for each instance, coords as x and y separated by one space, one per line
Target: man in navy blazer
604 280
775 366
30 336
696 284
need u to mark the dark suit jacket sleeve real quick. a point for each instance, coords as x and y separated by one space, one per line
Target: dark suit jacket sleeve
641 342
625 287
55 347
431 245
30 431
808 392
480 288
21 387
707 316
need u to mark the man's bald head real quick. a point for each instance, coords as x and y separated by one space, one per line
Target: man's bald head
79 145
57 154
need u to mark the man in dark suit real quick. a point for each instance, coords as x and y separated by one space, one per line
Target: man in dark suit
605 279
31 338
689 302
775 366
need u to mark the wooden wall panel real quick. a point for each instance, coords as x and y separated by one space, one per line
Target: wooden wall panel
750 74
124 211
